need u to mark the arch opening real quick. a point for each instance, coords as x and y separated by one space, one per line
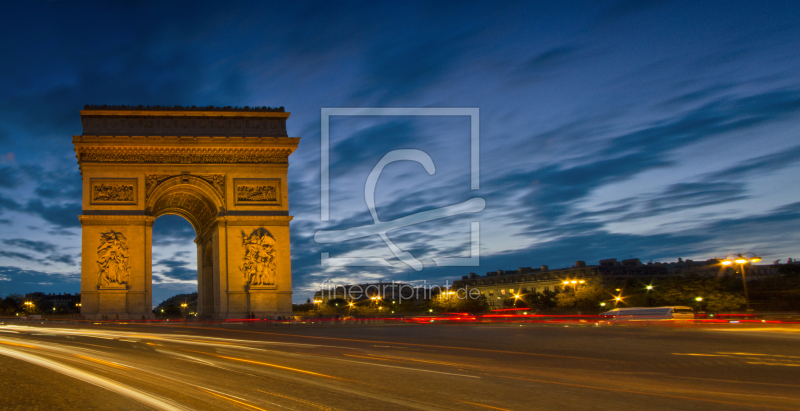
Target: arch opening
190 197
174 265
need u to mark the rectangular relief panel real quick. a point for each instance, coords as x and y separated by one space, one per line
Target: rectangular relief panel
113 191
257 191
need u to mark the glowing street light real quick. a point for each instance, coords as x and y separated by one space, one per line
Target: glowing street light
742 259
698 299
649 287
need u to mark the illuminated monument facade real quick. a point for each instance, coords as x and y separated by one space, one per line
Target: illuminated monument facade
222 169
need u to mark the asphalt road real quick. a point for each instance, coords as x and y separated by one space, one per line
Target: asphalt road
398 367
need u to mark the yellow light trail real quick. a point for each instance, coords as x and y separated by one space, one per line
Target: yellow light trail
485 406
233 400
313 404
417 345
266 364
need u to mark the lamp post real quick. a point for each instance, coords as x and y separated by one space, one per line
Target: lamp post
742 259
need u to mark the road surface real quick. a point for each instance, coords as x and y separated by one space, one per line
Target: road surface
124 366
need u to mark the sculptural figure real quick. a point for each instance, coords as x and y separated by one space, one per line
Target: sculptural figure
112 259
260 258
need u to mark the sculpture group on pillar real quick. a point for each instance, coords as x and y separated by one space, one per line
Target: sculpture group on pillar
260 258
112 259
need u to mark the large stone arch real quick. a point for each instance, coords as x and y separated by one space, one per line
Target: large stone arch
224 172
191 197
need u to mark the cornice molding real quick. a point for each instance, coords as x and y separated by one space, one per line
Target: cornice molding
177 108
219 141
116 220
182 155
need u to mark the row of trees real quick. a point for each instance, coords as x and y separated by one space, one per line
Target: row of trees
722 294
173 307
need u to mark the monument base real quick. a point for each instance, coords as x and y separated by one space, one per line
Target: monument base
265 301
115 303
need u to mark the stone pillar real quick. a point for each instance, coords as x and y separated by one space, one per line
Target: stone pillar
115 267
260 267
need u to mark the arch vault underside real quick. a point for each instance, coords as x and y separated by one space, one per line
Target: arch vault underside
230 184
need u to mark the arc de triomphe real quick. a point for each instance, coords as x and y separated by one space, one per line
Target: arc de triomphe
222 169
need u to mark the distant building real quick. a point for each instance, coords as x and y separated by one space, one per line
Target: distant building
386 291
499 285
54 300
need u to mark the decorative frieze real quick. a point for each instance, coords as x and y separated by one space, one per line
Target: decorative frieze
183 158
257 191
113 191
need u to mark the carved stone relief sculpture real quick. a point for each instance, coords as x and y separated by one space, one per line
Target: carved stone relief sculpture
259 263
113 193
257 191
112 260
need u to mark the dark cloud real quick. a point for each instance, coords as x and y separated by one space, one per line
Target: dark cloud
695 96
756 166
38 246
24 281
16 255
62 258
64 215
42 247
724 115
175 269
172 229
8 204
684 196
9 177
411 65
366 147
63 184
548 61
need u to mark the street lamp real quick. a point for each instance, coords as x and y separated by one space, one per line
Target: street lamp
742 259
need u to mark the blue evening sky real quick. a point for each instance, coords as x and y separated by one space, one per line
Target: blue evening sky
652 129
